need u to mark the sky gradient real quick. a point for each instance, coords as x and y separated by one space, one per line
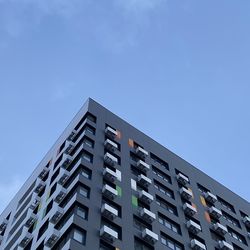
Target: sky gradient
177 70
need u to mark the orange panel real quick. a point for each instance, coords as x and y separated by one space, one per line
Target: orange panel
119 135
203 201
207 217
191 192
193 205
131 143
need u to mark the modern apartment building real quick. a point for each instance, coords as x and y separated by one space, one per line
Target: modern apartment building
105 185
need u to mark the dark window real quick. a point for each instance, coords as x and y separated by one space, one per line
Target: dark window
88 116
168 223
166 205
49 206
226 204
53 189
170 242
89 142
231 219
237 236
202 188
141 224
159 161
55 175
105 246
161 174
237 247
141 245
43 228
163 189
215 236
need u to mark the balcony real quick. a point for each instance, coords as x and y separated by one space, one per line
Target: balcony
110 145
189 209
149 236
197 245
60 193
3 225
69 147
140 152
220 229
182 179
43 173
52 238
193 227
142 165
246 221
31 218
35 202
215 212
210 197
109 192
109 212
224 245
72 135
57 213
185 193
112 133
40 186
109 175
64 177
25 238
145 197
108 234
147 215
144 180
109 159
66 161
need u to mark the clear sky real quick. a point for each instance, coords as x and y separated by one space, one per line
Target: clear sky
176 69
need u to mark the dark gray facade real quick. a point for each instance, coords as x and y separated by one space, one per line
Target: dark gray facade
106 185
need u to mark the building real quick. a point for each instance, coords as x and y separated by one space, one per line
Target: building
106 185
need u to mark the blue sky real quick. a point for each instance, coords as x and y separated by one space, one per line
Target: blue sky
178 70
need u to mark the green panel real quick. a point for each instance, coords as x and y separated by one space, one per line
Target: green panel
119 190
134 201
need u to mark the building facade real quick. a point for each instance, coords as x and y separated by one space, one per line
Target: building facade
106 185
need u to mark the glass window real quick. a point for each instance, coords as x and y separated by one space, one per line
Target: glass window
79 236
84 192
81 212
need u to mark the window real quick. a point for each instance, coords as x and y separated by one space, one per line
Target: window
82 212
237 236
226 204
87 156
231 219
140 245
84 191
202 188
43 229
166 205
171 243
105 246
86 172
161 174
159 161
79 236
173 226
140 224
164 189
88 116
87 141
